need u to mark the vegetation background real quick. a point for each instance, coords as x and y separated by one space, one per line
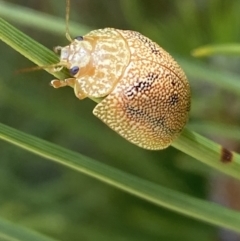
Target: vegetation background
66 205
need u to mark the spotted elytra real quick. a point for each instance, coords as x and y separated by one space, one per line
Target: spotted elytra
146 93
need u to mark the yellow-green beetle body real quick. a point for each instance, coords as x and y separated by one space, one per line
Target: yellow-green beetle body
147 95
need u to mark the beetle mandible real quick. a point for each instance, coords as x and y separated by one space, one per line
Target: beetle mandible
146 93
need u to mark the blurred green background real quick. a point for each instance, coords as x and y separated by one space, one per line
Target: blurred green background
67 205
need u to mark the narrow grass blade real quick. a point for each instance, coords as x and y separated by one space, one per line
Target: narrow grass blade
39 20
191 143
184 204
224 49
209 153
31 49
13 232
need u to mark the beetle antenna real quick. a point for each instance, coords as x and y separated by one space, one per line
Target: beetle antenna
52 67
68 36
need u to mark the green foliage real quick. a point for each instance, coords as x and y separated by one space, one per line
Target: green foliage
63 203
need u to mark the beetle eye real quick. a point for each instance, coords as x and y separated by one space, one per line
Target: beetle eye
79 38
74 70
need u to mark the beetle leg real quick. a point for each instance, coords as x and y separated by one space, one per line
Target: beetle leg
57 49
56 83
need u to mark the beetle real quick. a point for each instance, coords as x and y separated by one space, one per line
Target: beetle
146 95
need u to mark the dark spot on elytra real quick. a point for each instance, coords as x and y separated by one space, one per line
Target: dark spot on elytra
173 99
226 155
135 112
155 51
141 86
152 76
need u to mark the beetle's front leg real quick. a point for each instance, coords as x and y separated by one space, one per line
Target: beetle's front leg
56 83
72 82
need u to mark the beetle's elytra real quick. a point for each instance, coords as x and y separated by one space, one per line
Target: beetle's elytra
147 95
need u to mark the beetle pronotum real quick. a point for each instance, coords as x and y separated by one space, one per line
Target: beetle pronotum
146 93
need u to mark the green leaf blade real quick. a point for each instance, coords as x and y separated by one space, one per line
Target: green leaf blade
184 204
13 232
